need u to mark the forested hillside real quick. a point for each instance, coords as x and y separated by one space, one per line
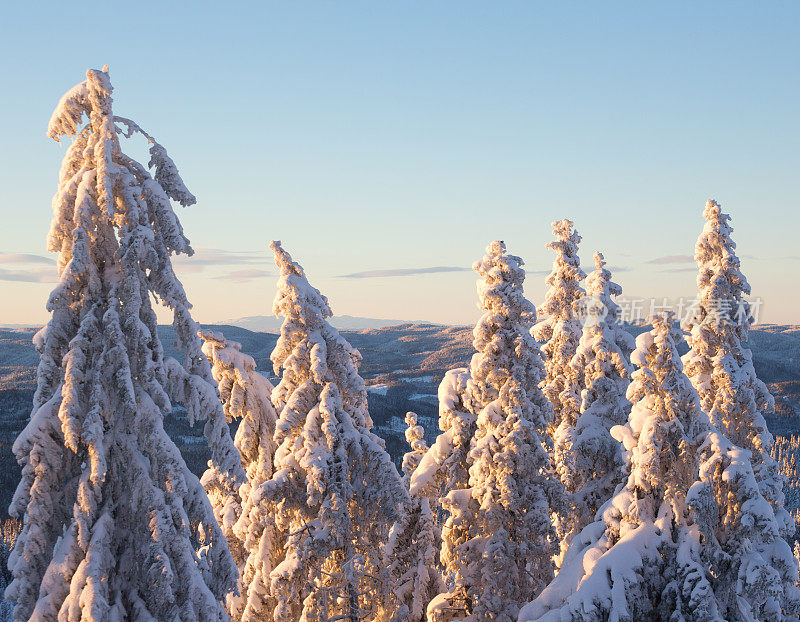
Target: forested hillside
403 366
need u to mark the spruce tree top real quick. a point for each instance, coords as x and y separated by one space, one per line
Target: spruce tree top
564 280
504 346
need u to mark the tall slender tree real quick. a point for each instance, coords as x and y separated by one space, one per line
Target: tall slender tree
559 331
413 546
415 438
335 491
593 400
257 549
110 511
498 538
719 363
720 366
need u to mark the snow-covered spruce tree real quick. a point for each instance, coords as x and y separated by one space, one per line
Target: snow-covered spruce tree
110 511
444 466
245 394
335 491
414 541
498 541
642 560
719 363
593 400
680 540
560 330
754 568
559 333
415 438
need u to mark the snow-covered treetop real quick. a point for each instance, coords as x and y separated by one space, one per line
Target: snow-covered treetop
244 392
598 308
95 94
564 280
722 286
559 333
505 351
305 311
444 465
719 363
414 437
656 355
92 98
503 342
309 303
601 288
229 365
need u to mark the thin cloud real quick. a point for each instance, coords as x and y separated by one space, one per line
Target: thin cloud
221 257
187 268
684 269
781 258
372 274
242 276
25 258
668 259
29 276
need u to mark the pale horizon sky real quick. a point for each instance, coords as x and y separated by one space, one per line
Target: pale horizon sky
386 144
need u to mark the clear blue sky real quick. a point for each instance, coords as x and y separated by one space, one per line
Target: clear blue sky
396 136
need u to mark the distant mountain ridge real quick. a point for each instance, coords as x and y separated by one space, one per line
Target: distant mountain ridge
272 324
